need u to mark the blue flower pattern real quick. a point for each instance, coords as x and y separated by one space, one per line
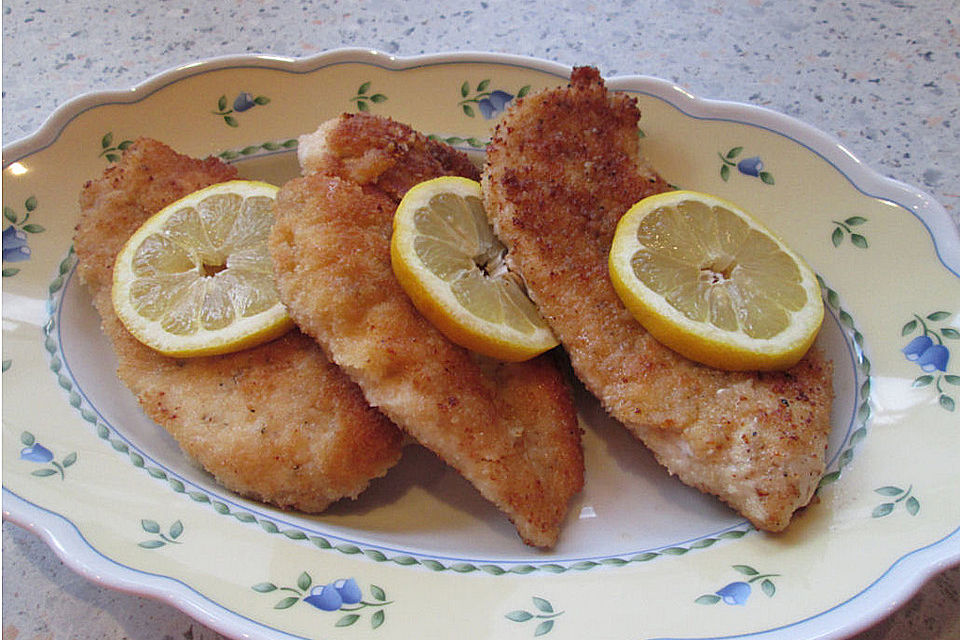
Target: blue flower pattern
927 350
735 593
344 595
243 102
931 354
490 103
36 453
332 596
494 104
738 593
16 247
752 166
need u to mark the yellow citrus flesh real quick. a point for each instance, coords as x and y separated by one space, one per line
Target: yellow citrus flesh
196 278
451 265
710 282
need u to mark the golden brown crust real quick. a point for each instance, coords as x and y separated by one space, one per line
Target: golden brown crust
510 429
278 422
376 151
562 168
113 206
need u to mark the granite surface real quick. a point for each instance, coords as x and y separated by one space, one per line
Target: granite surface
882 76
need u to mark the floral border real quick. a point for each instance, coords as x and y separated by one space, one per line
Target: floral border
252 150
293 532
862 412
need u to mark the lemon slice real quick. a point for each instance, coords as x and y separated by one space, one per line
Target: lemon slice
710 282
450 263
196 278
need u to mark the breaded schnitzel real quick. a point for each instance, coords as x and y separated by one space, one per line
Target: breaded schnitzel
562 168
279 422
510 429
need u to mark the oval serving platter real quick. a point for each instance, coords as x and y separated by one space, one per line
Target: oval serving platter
641 555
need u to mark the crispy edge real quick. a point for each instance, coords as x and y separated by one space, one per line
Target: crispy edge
352 224
541 156
197 400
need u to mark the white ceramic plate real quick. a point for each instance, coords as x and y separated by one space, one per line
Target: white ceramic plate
641 556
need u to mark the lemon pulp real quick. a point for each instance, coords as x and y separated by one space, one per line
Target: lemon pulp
712 283
450 263
196 278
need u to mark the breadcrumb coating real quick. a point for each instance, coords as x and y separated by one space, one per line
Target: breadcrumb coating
278 423
562 168
510 429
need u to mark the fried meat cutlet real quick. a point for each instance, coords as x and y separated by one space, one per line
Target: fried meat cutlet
510 429
279 422
562 168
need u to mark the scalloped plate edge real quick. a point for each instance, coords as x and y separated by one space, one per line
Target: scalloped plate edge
899 582
943 231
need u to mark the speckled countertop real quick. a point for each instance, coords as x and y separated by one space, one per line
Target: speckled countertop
882 76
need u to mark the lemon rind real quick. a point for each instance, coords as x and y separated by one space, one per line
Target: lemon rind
244 333
431 295
695 340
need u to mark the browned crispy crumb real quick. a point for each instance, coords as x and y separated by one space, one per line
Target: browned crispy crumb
561 170
279 422
510 429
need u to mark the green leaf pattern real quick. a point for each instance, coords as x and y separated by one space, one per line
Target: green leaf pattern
752 167
900 497
15 240
739 591
471 96
542 610
543 613
35 453
243 102
935 331
863 411
251 150
110 151
456 141
848 228
352 608
162 538
363 98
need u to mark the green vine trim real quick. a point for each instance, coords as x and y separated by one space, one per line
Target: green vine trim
454 141
862 417
269 526
286 145
290 144
863 413
233 154
109 436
